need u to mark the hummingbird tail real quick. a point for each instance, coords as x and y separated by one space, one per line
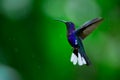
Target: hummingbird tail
85 58
76 57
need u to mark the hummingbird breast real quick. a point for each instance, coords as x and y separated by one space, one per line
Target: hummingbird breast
72 39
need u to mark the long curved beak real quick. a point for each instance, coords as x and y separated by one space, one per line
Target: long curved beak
61 21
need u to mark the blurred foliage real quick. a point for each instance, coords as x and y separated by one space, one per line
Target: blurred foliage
35 45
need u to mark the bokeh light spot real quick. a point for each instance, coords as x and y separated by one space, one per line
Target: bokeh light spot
16 9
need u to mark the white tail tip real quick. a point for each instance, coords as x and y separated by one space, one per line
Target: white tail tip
74 59
80 60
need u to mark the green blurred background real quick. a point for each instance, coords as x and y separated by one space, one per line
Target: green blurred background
33 44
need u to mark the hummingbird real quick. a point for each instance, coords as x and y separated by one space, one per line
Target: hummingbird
75 38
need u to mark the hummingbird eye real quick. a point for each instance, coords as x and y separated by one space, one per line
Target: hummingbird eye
71 23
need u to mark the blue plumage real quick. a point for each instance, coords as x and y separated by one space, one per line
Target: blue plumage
75 38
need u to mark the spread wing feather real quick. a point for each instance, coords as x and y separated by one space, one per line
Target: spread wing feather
88 27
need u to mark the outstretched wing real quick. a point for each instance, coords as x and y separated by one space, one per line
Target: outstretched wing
88 27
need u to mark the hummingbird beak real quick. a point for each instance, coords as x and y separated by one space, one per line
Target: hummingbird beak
61 21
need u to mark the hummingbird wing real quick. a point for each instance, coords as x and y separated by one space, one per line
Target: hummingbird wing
88 27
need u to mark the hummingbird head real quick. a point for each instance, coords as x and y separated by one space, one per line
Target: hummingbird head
69 25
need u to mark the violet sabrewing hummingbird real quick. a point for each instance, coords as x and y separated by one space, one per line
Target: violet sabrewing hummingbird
75 37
